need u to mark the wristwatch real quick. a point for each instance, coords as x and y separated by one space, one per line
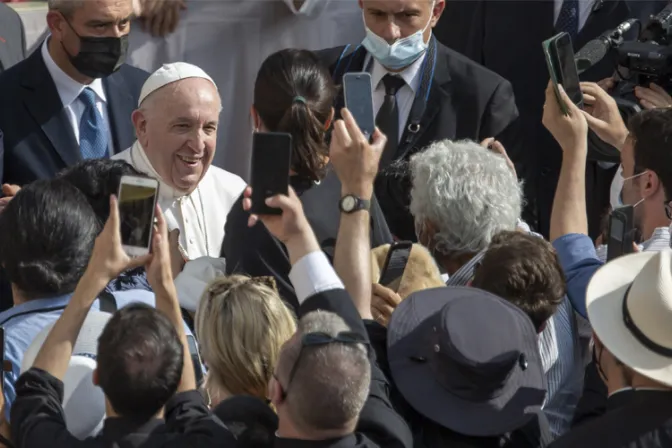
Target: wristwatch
351 203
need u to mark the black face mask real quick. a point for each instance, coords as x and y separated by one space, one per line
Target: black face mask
99 57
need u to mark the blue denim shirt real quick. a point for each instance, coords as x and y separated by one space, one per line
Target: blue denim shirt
23 322
579 260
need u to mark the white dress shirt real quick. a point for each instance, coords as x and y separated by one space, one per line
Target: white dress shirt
405 96
313 274
200 215
69 90
585 9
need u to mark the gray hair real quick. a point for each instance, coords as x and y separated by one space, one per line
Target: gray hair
65 7
332 382
466 192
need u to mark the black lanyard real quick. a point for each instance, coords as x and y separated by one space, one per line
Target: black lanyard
422 95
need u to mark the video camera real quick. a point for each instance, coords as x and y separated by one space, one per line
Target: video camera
639 63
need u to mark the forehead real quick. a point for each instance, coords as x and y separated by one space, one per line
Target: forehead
189 96
103 10
397 6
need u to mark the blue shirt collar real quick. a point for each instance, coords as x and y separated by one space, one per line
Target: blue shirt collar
35 305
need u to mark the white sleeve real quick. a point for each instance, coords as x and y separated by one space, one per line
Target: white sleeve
313 274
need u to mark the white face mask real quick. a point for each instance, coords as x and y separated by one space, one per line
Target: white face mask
402 52
616 191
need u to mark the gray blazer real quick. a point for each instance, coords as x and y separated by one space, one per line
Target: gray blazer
12 38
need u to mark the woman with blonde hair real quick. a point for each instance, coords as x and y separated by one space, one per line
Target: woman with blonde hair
241 324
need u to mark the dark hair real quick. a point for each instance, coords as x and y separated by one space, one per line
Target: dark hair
525 270
651 131
47 232
140 361
294 93
98 179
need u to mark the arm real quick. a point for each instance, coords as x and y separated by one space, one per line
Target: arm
500 113
356 163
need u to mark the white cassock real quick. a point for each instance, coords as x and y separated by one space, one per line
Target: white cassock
230 39
201 215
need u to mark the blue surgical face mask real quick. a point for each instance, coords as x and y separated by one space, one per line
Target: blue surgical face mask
401 53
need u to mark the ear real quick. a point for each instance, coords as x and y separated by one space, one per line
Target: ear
94 378
56 23
140 124
651 184
327 124
275 392
437 11
256 121
361 4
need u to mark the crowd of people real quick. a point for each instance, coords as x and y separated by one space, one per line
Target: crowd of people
240 329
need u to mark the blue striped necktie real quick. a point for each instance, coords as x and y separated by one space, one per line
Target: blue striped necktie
568 19
93 136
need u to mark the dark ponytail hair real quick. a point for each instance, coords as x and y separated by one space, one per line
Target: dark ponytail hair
294 93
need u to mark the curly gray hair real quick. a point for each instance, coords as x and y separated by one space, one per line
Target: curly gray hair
466 192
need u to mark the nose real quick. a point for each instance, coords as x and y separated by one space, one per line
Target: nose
197 141
391 32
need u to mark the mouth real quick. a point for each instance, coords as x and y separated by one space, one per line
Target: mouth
190 160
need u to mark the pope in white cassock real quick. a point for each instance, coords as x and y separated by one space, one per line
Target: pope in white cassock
176 128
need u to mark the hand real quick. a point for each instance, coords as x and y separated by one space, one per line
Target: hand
160 17
354 159
177 260
497 147
653 97
109 259
603 115
159 266
570 131
291 224
9 191
607 84
383 303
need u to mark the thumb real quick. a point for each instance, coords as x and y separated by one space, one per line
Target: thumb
280 201
379 140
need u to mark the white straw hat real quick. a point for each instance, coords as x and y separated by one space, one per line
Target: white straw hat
629 302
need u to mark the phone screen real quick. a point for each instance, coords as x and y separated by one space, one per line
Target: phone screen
271 156
617 230
195 359
396 261
568 73
136 213
359 101
553 71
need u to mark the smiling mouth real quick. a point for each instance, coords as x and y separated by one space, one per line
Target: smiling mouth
189 160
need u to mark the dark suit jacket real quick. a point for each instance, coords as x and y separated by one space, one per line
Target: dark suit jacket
378 422
644 421
466 101
36 138
12 38
255 252
505 36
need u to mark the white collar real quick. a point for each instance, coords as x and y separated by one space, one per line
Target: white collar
411 74
141 162
68 89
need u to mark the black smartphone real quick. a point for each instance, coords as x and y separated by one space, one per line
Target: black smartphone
562 52
271 157
621 232
396 261
196 360
137 201
358 94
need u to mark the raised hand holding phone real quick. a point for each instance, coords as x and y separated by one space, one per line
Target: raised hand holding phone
569 130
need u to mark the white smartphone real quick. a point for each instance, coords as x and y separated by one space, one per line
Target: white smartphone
137 200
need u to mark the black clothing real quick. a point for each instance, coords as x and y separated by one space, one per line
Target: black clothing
254 251
465 101
38 420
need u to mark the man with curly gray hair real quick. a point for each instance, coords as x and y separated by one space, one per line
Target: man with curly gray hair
462 195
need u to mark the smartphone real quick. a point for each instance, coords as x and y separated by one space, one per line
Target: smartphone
396 261
2 341
621 232
195 360
358 94
568 74
137 200
271 159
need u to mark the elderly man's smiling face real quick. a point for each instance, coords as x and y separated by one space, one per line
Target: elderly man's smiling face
177 128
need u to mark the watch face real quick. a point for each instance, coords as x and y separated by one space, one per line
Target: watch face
348 203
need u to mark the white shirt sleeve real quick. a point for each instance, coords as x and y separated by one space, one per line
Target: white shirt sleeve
313 274
307 7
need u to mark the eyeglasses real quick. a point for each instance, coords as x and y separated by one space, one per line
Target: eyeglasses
318 339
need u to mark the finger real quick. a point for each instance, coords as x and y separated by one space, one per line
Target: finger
292 194
498 148
10 189
161 223
280 201
379 141
648 104
635 248
646 94
252 220
342 134
589 99
568 102
353 128
656 88
138 262
113 218
384 309
247 192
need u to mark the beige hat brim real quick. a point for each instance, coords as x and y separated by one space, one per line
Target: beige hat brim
604 301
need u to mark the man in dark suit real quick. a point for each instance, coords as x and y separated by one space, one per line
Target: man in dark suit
423 92
72 99
12 38
505 36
